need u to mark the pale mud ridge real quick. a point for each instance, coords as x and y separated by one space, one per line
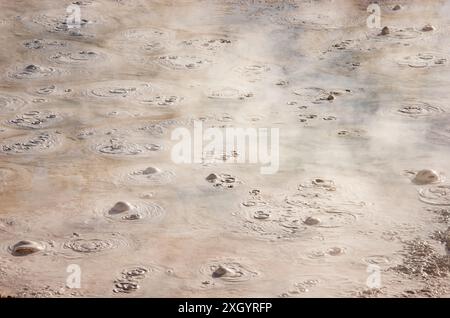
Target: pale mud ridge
87 179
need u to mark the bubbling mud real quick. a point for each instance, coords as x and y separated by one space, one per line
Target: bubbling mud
209 44
253 72
44 44
419 109
136 212
271 219
229 271
94 243
162 101
77 58
121 90
183 62
424 60
52 90
225 181
129 280
150 40
228 93
426 176
123 147
393 33
147 175
30 144
35 119
25 247
32 71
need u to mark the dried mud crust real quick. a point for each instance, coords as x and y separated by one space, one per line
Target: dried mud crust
422 260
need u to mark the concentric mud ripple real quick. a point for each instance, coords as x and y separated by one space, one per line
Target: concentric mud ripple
77 58
30 144
147 175
130 278
272 222
271 219
436 195
224 180
310 94
209 44
228 93
399 34
35 119
253 72
326 184
32 71
161 127
182 62
10 103
97 243
418 109
121 90
352 133
229 271
123 147
162 101
40 44
136 272
149 40
52 90
136 212
331 251
335 218
424 60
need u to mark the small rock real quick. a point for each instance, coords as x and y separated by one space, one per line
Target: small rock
26 247
220 271
31 68
311 221
212 177
336 251
282 83
426 176
150 170
397 7
385 31
261 215
428 28
120 207
330 97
